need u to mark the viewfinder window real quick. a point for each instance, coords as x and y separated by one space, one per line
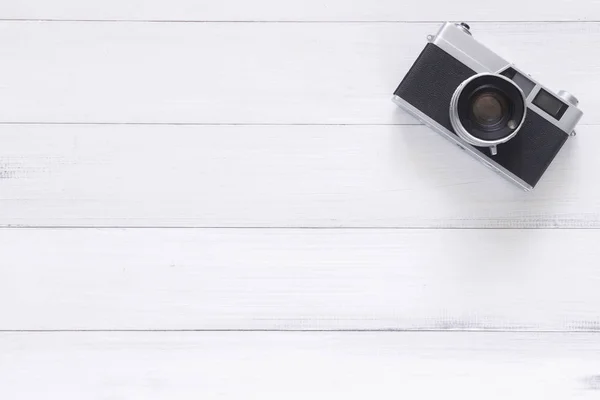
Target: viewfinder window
550 104
522 81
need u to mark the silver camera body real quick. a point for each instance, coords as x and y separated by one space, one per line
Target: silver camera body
487 106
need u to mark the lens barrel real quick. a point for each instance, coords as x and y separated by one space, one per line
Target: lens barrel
487 110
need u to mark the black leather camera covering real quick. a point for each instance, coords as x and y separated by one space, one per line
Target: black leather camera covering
429 86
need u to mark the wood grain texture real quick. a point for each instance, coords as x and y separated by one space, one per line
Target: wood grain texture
236 127
220 365
307 10
254 73
542 280
279 176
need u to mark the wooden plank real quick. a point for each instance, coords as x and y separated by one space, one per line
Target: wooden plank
542 280
254 73
279 176
192 365
307 10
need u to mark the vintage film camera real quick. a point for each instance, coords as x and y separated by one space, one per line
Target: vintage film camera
487 106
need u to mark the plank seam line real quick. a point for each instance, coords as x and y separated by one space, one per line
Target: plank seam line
257 21
331 228
211 124
203 124
535 331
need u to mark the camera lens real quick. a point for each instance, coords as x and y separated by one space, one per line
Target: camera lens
487 109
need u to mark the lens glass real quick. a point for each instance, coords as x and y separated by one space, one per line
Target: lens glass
488 108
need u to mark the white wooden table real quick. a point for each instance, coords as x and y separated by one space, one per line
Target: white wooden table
217 199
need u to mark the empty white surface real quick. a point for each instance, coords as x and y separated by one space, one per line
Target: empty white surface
292 73
299 279
306 10
279 176
158 365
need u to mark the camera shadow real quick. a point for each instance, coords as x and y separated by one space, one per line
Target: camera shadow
468 194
